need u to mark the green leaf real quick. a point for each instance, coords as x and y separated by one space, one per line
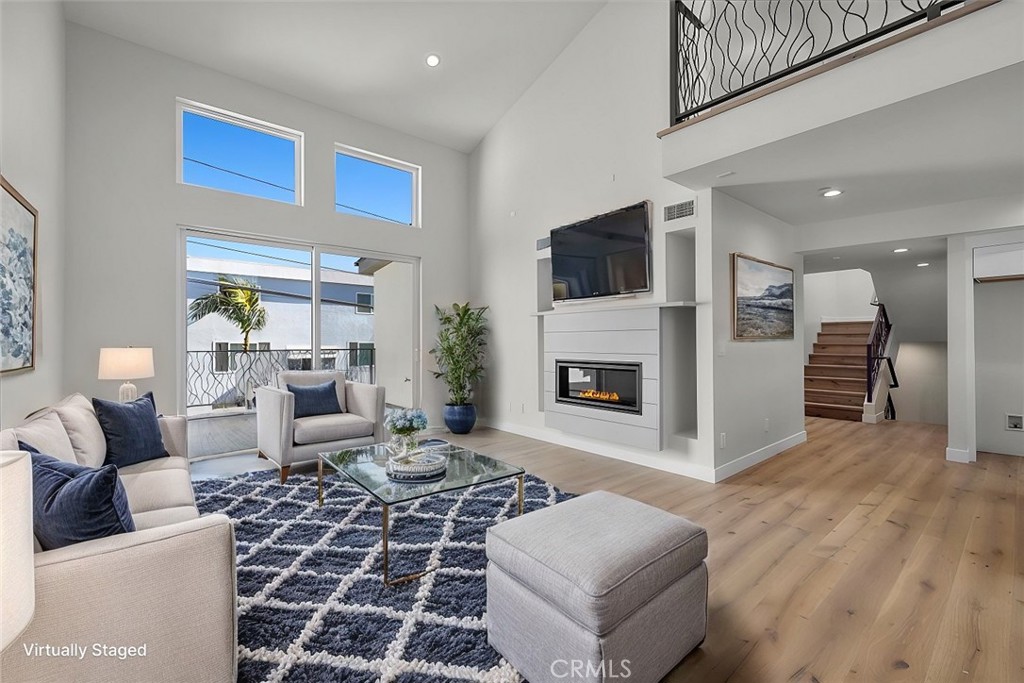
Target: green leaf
236 300
459 349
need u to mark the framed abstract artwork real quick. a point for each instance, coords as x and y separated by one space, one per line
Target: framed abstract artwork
19 224
762 299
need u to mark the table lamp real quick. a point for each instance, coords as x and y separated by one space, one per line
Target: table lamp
17 552
126 364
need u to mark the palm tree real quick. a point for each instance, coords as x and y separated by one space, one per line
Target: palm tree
238 301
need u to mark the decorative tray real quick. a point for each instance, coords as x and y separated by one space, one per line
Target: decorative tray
414 467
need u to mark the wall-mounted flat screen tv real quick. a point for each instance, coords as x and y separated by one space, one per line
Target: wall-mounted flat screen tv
606 255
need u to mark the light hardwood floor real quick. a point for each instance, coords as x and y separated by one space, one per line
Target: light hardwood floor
862 555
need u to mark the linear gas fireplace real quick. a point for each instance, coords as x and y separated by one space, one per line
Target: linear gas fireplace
609 386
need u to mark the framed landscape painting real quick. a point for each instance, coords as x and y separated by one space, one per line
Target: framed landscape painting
762 299
18 232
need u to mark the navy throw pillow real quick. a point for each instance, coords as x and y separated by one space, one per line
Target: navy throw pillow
318 399
131 429
72 503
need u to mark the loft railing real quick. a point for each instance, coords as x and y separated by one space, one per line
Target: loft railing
228 379
877 342
722 49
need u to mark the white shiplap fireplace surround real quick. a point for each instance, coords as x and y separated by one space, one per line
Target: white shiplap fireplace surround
656 337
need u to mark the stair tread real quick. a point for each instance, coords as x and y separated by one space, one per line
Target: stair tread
825 365
834 391
837 406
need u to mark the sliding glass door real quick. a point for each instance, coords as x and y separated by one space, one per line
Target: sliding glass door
254 308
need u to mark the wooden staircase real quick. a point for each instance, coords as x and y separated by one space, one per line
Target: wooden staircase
836 377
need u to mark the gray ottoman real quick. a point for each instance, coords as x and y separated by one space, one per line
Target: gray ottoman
598 588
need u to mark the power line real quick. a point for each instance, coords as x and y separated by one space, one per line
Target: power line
240 175
274 292
194 240
369 213
289 189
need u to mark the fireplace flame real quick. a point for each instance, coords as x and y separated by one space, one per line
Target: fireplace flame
599 395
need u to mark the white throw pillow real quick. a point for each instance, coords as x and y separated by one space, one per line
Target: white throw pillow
79 419
46 434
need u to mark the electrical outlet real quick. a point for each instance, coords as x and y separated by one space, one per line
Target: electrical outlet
721 440
767 424
1015 423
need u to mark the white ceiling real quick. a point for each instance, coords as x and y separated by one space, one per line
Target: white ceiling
961 142
365 58
879 256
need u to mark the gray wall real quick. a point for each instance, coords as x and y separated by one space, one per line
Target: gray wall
999 349
127 206
32 160
921 396
754 380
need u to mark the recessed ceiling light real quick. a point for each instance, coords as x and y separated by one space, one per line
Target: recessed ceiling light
726 174
830 192
836 258
433 60
900 250
922 265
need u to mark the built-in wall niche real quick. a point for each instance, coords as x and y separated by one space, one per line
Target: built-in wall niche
679 374
545 297
680 265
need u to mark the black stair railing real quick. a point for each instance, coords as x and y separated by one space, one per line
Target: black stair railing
878 339
722 49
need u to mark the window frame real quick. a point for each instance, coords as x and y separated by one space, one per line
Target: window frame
241 120
364 305
391 162
355 353
227 357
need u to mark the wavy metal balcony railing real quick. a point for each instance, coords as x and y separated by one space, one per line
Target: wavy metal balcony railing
228 379
722 49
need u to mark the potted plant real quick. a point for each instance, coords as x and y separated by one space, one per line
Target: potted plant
459 352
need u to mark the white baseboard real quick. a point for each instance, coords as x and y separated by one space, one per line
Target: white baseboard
656 460
760 455
959 455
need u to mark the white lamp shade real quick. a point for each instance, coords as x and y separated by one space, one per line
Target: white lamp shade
126 363
17 551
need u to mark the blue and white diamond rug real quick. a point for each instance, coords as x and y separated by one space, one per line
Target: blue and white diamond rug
312 604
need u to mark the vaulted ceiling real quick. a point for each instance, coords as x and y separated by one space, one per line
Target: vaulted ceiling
366 59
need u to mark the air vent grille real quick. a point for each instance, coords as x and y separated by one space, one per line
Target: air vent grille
680 210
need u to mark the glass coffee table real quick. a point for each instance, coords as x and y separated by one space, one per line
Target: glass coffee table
365 467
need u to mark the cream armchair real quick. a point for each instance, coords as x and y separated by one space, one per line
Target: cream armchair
286 440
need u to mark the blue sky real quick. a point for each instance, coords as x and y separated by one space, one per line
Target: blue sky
228 157
364 188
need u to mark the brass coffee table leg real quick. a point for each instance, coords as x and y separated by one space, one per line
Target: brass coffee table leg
385 524
320 481
385 516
